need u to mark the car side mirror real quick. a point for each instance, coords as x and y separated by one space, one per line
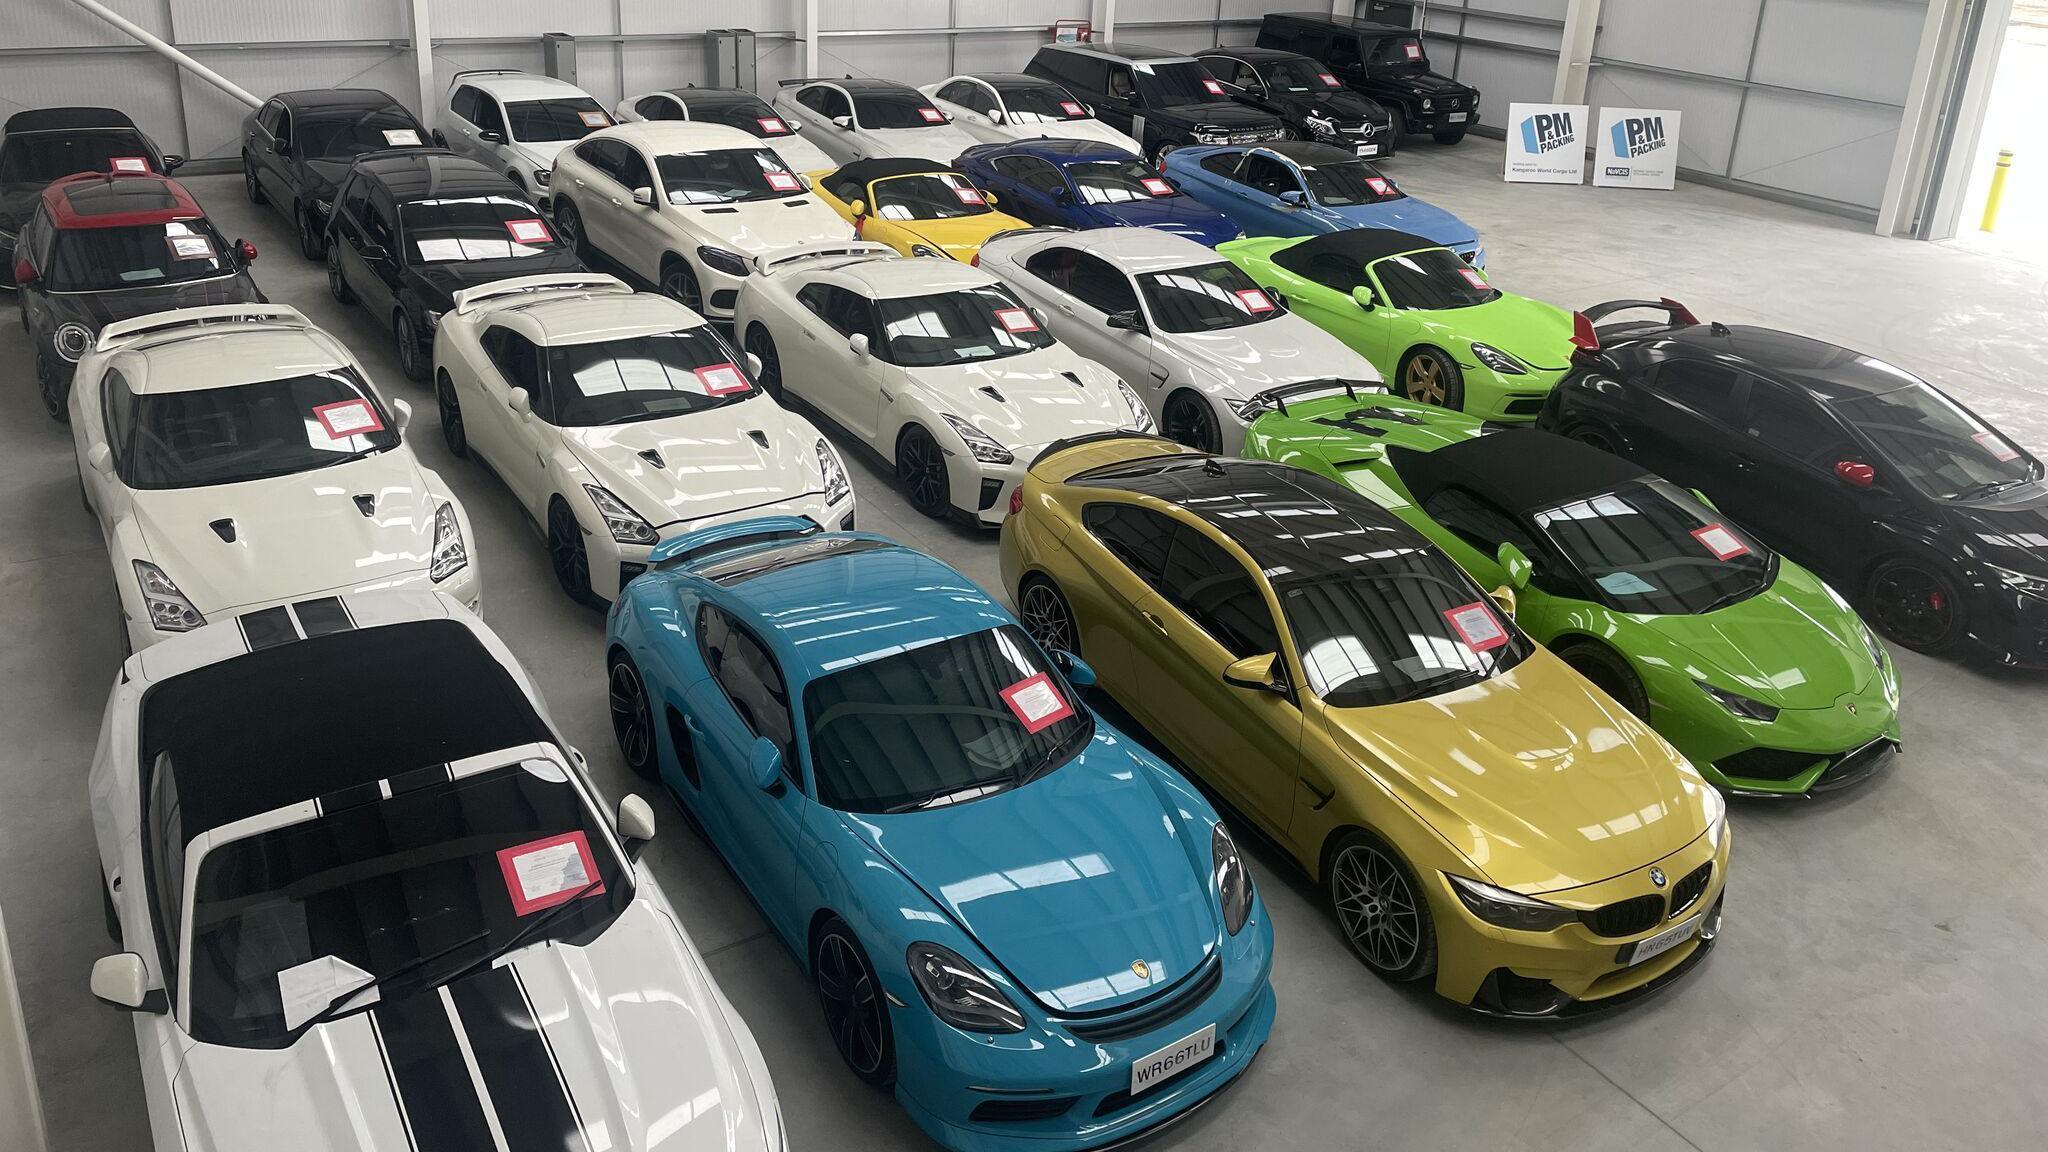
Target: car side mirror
1255 672
995 115
643 196
1063 198
1364 298
123 982
100 458
1515 564
282 148
1702 498
859 207
246 250
1294 199
765 763
172 163
1504 596
1077 671
1127 320
859 343
636 824
1856 472
753 365
489 136
24 272
401 414
843 123
988 196
519 401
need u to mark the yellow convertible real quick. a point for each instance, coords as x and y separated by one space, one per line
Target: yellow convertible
917 207
1472 809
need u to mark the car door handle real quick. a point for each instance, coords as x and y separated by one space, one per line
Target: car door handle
1157 624
615 202
690 722
579 182
1066 309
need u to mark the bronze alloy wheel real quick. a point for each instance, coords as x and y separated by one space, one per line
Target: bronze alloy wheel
1383 916
1430 377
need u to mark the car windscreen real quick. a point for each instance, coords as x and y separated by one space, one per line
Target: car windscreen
1348 183
541 121
1205 298
752 116
1402 54
959 327
1433 278
338 136
936 196
140 256
1185 82
725 176
40 157
244 432
943 723
636 378
470 228
1649 548
457 867
906 109
1118 182
1040 104
1297 74
1397 626
1937 446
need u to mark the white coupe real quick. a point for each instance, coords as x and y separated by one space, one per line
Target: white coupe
935 365
368 898
998 107
617 418
862 118
732 107
1191 329
682 205
237 456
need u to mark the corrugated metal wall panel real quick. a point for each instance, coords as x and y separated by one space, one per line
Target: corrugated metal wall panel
1504 78
1708 129
142 85
54 23
1687 35
841 14
669 16
1815 146
525 17
1849 47
259 21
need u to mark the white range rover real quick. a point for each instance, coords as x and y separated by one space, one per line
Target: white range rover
368 899
238 456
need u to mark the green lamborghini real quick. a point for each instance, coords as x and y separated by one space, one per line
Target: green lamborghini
1427 320
1749 664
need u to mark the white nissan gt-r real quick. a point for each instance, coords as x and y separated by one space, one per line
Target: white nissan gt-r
368 898
618 418
1192 331
935 365
238 456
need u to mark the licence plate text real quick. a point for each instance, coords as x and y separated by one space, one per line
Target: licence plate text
1172 1060
1665 941
1456 117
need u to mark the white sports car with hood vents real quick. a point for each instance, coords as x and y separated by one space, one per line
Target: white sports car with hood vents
367 899
934 364
618 418
237 456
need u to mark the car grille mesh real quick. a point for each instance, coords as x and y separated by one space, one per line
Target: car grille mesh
1686 892
1625 917
1153 1015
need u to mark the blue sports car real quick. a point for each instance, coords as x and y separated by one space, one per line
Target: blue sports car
1303 189
1041 935
1083 184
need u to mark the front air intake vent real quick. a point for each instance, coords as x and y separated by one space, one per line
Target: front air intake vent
758 436
653 458
225 529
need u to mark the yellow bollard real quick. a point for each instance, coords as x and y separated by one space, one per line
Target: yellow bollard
1990 221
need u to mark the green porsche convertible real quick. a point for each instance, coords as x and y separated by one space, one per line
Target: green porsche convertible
1749 664
1431 323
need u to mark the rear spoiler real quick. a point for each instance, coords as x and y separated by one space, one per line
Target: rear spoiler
1277 397
690 547
793 81
124 332
863 249
486 72
594 283
1097 438
1586 342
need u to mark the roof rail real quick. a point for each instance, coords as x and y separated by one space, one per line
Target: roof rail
590 283
857 249
122 333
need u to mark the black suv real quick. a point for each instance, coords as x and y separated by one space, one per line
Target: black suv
1309 99
1383 62
298 146
1159 98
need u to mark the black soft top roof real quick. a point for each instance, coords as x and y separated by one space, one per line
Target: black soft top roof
65 119
866 172
433 173
310 718
1355 246
715 97
1522 470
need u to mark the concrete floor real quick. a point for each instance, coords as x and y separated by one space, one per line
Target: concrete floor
1879 982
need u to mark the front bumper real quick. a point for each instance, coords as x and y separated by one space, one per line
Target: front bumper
465 586
720 290
1506 399
2010 627
613 564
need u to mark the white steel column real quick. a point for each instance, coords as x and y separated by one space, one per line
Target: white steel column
423 63
807 31
1102 19
1575 52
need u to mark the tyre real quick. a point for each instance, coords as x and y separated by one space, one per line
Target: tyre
1917 604
849 995
569 228
312 244
632 717
1594 436
921 469
566 554
53 387
452 430
761 344
1187 419
1400 119
107 906
337 284
1380 908
414 360
1609 671
1046 616
1429 375
250 185
679 283
1448 135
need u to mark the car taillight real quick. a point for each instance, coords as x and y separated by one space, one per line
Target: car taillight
1016 499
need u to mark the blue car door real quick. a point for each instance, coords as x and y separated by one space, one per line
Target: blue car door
1031 189
1252 197
757 829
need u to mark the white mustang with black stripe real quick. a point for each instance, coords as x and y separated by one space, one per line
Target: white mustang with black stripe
369 900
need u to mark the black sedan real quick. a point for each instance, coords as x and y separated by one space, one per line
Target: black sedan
1306 96
1934 521
39 145
298 146
412 227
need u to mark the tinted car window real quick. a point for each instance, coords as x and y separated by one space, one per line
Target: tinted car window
570 118
1041 104
102 259
1295 74
1796 426
658 108
641 378
847 313
1205 298
962 327
165 834
330 135
725 176
1185 82
515 358
1650 548
1337 272
827 102
1269 175
1089 279
253 431
1349 183
752 116
1117 182
1137 537
463 103
1403 53
1937 445
40 157
750 679
470 228
941 196
1705 388
1214 590
906 109
1432 279
1031 172
1479 523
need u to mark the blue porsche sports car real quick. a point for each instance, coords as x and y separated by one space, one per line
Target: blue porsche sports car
1040 934
1303 189
1084 184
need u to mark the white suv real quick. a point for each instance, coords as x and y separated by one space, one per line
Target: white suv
517 121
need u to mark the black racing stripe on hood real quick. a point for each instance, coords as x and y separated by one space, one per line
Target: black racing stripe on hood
519 1071
435 1089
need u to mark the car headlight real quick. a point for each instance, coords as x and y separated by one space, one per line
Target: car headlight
1233 882
1504 909
720 260
1739 705
2023 582
958 993
979 444
1871 644
169 610
928 250
1498 360
1208 136
836 484
625 525
450 556
1717 814
1429 105
1140 418
540 177
71 340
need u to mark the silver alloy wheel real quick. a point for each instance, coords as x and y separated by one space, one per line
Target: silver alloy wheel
1376 907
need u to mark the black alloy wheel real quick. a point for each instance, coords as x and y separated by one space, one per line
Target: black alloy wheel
678 283
1915 604
569 228
1398 119
1188 420
1431 377
632 720
51 385
312 245
411 357
1047 618
452 430
762 345
337 284
566 554
921 469
851 999
1380 909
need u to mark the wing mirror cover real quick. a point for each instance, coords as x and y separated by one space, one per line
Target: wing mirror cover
764 763
1255 672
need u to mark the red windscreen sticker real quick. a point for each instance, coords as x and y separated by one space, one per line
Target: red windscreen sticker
1213 87
1380 185
1156 186
1995 444
1254 300
773 125
970 195
1037 703
1476 624
348 418
1414 51
721 380
1473 278
128 164
1725 545
932 115
1328 80
533 231
543 873
1072 109
1016 319
783 182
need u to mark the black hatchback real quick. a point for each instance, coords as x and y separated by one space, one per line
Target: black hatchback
298 146
1308 98
1159 98
1932 520
411 228
1383 62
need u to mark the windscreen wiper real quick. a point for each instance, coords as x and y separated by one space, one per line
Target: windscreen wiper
553 915
333 1007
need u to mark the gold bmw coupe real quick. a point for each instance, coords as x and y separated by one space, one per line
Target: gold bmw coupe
1473 809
